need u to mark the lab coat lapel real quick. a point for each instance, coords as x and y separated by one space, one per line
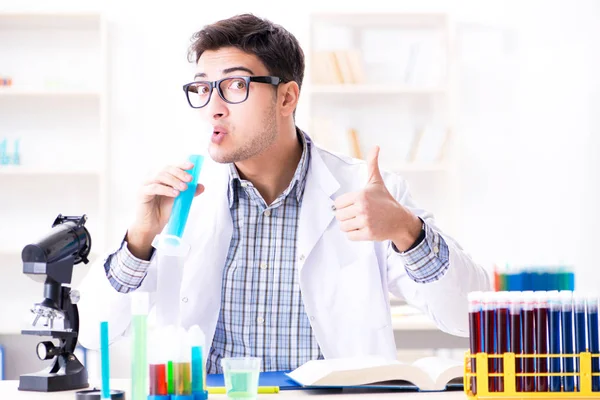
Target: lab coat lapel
210 243
316 212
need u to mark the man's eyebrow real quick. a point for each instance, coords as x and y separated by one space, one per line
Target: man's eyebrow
238 68
227 71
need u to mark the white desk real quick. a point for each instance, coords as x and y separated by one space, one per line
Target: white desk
8 391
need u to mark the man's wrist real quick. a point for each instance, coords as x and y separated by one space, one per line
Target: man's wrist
411 237
139 243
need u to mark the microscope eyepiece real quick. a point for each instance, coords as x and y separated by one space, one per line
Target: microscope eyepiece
68 237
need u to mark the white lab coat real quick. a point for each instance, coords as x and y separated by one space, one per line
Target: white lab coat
345 285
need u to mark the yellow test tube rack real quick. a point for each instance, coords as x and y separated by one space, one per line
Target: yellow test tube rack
509 376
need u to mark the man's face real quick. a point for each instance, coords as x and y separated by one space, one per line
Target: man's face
240 131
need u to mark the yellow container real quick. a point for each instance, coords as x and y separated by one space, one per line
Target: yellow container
509 375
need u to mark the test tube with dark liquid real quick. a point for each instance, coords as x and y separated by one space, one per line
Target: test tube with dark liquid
489 341
475 329
516 335
541 339
502 333
528 320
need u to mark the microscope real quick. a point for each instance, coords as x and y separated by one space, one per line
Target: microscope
50 261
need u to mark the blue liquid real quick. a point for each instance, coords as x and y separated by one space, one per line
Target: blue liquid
568 362
197 370
104 355
594 348
580 343
554 325
526 281
183 202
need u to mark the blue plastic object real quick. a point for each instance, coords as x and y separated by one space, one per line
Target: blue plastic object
198 374
105 360
16 158
2 363
183 202
3 155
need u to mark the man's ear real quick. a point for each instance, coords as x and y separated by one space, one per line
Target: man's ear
289 93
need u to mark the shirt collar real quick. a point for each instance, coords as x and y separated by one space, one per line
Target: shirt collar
298 181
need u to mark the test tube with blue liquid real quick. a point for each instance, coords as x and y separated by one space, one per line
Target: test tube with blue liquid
183 202
593 339
566 297
198 342
580 329
554 339
170 240
172 249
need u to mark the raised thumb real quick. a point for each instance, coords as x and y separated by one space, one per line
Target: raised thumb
373 166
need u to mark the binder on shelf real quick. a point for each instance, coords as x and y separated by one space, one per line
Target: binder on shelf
336 67
1 363
354 144
344 66
414 146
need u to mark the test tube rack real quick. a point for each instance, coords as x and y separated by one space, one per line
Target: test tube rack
509 375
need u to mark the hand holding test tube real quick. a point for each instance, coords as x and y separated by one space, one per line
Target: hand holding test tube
172 250
170 241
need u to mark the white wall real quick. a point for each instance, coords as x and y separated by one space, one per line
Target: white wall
526 114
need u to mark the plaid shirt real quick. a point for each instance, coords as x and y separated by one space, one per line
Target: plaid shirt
262 312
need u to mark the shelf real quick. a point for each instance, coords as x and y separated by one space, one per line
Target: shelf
45 20
372 89
16 92
17 170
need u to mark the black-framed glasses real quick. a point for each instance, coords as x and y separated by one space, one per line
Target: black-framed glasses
233 89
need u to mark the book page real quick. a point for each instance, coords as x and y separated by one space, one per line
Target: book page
312 371
440 370
361 371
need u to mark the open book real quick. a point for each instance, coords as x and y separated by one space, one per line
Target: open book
425 374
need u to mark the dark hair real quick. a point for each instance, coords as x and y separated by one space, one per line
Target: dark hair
277 48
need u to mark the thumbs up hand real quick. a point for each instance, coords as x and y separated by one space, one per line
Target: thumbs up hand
374 214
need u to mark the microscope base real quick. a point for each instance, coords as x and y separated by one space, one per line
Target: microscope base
45 381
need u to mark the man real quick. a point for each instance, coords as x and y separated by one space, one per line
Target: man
294 249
